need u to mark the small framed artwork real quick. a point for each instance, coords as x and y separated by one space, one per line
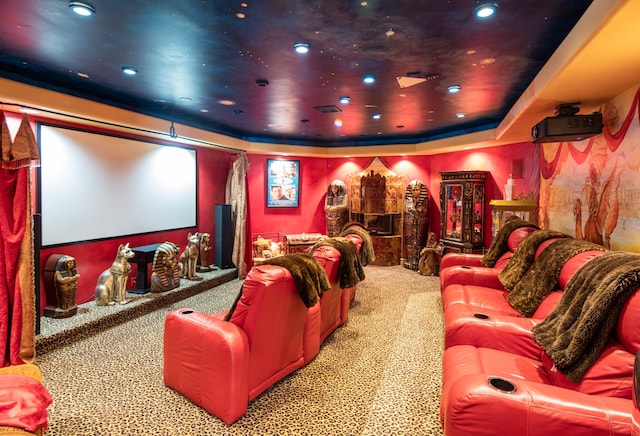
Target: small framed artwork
283 178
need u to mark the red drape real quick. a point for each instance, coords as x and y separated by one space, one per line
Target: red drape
13 225
613 139
17 309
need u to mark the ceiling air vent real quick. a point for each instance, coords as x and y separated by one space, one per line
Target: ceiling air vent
328 109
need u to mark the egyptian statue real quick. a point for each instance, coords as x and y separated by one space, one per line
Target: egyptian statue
189 258
165 273
336 207
416 222
111 287
203 252
61 282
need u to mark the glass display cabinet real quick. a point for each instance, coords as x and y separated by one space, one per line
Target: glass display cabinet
462 204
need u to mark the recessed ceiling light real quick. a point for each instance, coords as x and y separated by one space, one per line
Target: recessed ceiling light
226 102
486 10
131 71
368 78
82 8
345 99
461 115
454 89
301 47
376 116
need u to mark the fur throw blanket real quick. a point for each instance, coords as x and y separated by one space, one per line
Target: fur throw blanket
308 274
499 244
542 277
367 255
350 270
578 328
524 256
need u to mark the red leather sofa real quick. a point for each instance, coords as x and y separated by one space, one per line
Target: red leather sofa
340 257
333 312
468 268
222 365
502 382
475 315
223 361
635 418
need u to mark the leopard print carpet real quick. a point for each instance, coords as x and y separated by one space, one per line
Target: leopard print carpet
378 374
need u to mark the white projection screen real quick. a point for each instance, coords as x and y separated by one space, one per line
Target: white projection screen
96 186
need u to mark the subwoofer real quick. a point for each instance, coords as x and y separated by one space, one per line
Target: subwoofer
224 236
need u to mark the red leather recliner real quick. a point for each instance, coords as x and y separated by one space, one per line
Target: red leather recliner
222 365
490 321
489 298
332 311
488 391
635 419
468 269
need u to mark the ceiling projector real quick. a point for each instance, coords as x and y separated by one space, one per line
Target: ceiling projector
567 125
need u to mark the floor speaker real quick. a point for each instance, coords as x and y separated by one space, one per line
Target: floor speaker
224 236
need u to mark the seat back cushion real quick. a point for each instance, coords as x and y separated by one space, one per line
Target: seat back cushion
272 315
611 375
517 235
356 239
330 313
573 264
627 329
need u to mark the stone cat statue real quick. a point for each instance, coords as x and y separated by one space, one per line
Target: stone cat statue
112 283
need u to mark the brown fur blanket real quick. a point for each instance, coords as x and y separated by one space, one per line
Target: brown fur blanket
367 255
499 244
542 277
310 278
350 270
524 256
577 330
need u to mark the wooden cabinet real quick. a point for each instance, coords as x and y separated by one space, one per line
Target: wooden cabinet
376 203
462 203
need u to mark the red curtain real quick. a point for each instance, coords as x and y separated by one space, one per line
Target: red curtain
550 167
14 278
17 308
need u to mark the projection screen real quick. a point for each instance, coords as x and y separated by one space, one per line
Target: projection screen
96 186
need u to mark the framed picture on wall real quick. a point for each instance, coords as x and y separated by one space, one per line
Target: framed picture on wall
283 177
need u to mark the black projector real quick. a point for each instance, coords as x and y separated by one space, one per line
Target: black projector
564 128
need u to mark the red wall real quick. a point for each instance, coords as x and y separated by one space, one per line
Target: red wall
498 161
315 175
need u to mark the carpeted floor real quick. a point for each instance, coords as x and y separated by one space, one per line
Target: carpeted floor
379 374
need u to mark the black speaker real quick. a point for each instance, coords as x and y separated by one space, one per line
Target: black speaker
224 236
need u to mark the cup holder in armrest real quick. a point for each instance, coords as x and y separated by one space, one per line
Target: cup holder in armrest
187 312
481 316
502 385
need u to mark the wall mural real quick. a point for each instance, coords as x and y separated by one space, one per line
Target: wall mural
591 189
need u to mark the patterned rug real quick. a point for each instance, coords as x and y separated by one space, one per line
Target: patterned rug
379 374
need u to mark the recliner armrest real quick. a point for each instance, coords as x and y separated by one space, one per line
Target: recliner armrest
207 360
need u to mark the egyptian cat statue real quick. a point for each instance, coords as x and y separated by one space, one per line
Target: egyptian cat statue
189 258
112 283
